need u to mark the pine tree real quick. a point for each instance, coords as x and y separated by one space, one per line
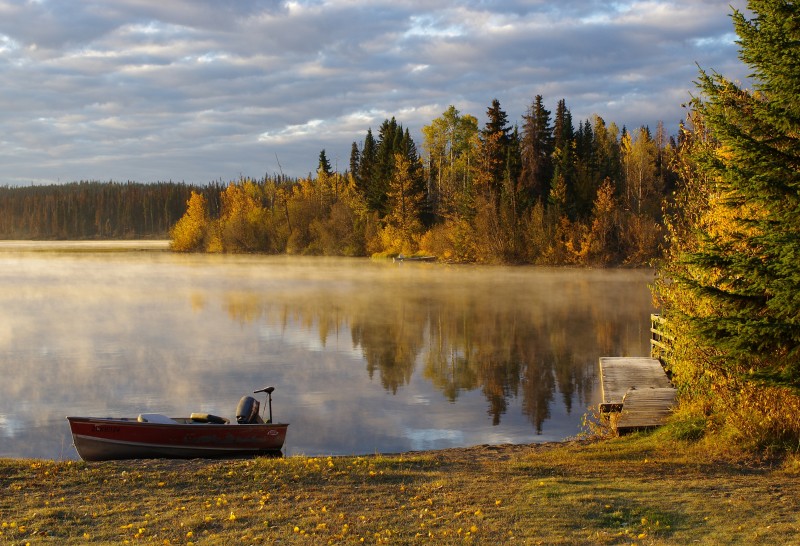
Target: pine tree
748 270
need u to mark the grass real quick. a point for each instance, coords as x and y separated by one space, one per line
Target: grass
640 489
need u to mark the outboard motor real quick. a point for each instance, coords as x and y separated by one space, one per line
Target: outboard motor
247 411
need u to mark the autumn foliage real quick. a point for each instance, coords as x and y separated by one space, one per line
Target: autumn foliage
546 195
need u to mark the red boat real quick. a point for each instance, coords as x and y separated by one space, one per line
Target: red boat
152 435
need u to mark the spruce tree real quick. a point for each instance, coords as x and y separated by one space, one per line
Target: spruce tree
563 132
537 152
513 159
324 164
355 161
746 269
366 168
495 141
563 156
389 137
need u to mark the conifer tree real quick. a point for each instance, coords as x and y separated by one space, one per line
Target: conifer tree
746 269
389 138
537 151
513 161
366 168
324 164
495 140
563 132
355 161
563 157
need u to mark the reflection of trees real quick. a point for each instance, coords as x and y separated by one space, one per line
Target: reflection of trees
390 339
500 361
501 340
448 359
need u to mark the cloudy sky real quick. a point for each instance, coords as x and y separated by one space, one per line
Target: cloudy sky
202 90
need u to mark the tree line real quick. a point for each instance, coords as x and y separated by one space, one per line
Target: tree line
543 193
96 210
540 192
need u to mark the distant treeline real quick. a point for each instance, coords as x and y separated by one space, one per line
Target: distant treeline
540 193
96 210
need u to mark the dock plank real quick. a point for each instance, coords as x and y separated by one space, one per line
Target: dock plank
619 374
645 408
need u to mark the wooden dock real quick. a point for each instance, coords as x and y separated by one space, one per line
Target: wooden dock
638 388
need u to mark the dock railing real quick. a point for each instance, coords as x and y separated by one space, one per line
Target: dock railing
660 339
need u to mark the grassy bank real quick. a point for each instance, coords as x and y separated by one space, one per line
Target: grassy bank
644 489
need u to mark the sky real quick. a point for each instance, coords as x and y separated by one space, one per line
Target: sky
214 90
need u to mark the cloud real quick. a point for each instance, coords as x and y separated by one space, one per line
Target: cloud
207 90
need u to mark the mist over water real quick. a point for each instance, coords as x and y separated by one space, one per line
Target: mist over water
366 356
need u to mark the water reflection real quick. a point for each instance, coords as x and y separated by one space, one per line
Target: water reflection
367 356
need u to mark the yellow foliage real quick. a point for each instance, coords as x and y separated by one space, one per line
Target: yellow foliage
593 244
722 220
242 222
189 233
452 241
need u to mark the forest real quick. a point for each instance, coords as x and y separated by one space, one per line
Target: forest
540 191
95 210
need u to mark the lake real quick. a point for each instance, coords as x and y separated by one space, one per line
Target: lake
366 356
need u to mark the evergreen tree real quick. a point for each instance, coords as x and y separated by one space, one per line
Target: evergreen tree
366 168
389 138
746 268
324 165
355 161
537 151
495 140
416 174
563 183
563 131
583 141
513 160
583 188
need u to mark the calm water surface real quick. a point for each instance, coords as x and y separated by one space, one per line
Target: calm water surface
366 356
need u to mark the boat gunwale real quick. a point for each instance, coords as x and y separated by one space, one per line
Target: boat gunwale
183 422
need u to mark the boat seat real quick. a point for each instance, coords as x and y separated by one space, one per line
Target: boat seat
155 418
208 418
